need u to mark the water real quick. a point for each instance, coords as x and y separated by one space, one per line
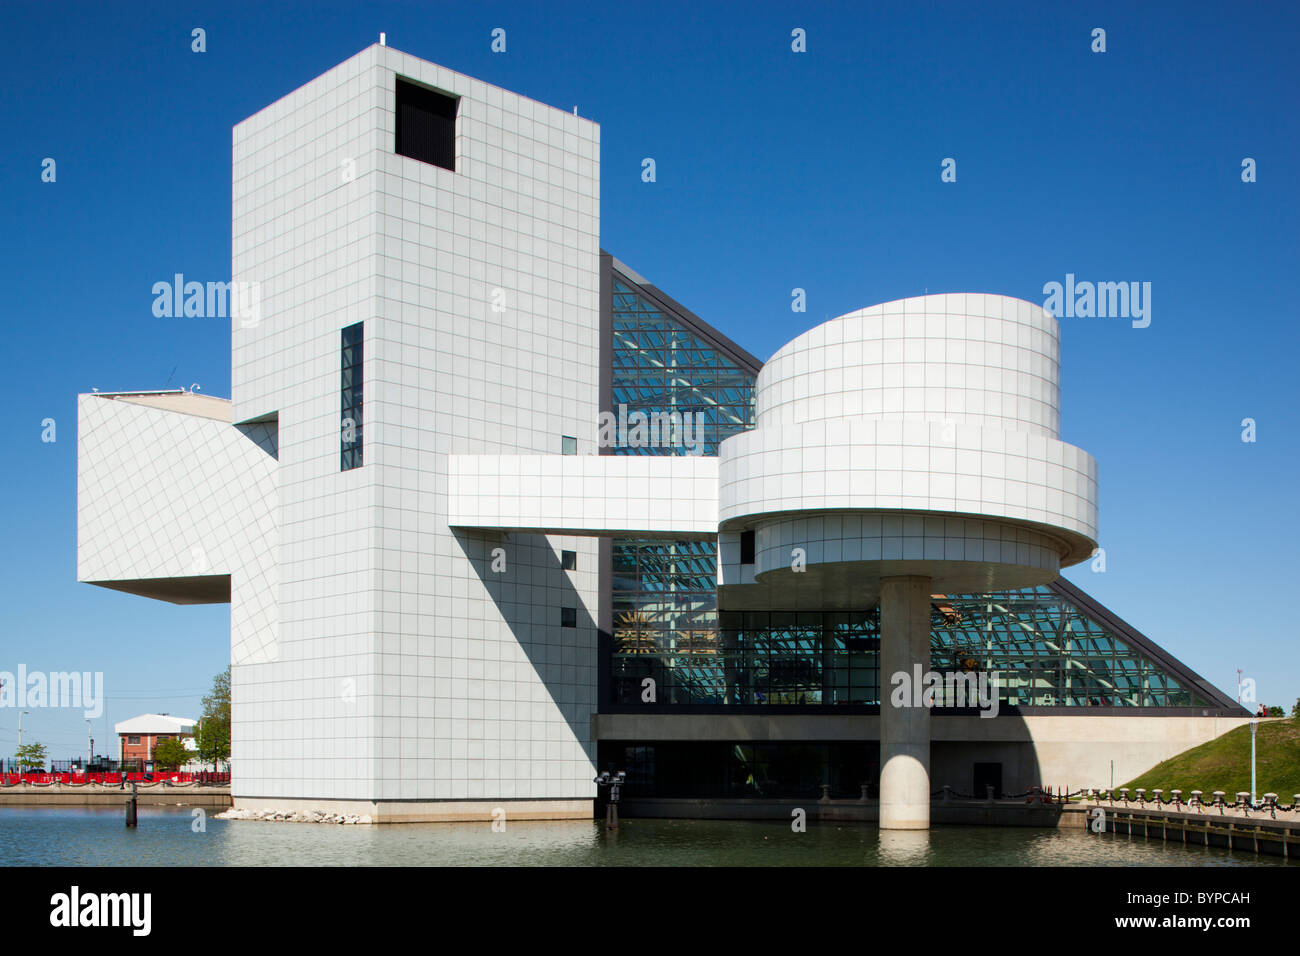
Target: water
97 837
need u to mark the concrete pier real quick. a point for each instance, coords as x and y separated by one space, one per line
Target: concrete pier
904 726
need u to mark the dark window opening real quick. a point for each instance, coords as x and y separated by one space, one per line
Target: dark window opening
744 769
426 125
568 617
569 559
746 547
350 391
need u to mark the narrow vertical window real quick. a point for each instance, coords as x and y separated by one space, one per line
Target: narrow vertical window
747 547
350 393
568 445
426 125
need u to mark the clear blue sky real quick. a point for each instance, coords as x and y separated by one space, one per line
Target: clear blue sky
776 170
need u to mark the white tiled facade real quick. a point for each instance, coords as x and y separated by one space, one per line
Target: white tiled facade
972 358
167 490
899 539
938 413
400 641
408 671
915 466
674 496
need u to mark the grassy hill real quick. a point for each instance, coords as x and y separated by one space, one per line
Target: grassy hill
1224 764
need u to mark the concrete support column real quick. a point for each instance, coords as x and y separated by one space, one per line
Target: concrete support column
904 730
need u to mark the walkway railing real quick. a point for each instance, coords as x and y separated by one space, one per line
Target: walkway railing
157 778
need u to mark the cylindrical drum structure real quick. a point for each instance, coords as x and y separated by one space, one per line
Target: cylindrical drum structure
914 440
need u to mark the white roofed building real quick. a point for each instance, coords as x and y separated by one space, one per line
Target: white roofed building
138 736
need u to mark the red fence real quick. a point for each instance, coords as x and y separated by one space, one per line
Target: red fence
113 779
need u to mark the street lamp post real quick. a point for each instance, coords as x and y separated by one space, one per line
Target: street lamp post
20 736
1253 725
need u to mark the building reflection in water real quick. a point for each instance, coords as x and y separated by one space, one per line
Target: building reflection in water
904 848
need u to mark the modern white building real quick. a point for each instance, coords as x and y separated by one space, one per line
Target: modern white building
493 512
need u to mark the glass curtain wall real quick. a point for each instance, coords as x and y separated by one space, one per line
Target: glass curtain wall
1045 650
665 605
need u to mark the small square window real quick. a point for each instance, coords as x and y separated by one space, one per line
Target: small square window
426 125
568 445
746 547
568 617
133 740
569 559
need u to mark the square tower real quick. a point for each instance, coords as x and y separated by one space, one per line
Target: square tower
423 251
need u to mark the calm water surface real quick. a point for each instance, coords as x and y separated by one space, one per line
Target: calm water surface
33 836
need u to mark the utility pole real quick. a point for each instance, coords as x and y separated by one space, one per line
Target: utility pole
90 749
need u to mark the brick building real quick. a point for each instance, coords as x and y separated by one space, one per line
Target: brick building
138 736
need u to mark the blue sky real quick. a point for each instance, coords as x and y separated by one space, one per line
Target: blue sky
775 170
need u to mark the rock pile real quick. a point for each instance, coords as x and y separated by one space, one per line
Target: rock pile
294 816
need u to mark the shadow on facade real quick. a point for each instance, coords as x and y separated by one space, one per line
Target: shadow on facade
531 595
969 753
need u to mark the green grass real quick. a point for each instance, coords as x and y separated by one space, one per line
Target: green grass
1224 764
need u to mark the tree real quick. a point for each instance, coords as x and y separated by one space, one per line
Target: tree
1276 712
31 757
170 754
212 732
1295 711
